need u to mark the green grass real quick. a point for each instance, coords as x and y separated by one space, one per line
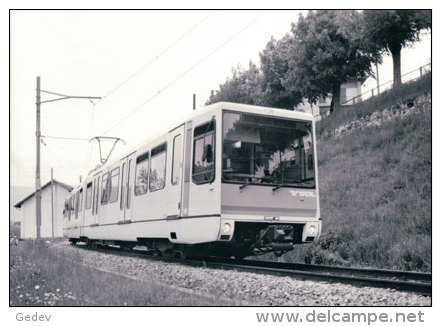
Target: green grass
376 196
38 277
375 192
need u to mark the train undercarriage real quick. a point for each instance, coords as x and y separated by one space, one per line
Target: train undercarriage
249 239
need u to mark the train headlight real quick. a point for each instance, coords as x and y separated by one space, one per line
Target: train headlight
226 228
312 229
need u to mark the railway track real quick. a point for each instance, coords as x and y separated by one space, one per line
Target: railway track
399 280
404 281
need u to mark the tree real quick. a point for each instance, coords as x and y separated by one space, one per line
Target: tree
328 50
391 30
275 65
244 86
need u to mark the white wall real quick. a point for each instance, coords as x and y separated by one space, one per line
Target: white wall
28 224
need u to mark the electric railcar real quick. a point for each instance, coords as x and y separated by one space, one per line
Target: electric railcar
230 180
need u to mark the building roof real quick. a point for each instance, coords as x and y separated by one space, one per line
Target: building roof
65 186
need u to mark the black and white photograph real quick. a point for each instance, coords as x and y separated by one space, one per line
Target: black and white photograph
224 159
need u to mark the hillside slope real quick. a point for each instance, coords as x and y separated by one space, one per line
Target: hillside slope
375 185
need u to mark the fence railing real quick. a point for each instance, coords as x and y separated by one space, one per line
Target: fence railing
377 90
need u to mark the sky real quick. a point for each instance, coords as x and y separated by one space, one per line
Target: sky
146 66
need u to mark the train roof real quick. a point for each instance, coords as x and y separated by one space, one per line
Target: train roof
254 109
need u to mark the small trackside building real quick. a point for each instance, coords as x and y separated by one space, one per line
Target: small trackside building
28 228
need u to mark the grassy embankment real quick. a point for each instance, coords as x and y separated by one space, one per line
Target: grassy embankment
40 277
375 188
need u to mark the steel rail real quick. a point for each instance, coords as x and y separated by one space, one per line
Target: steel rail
384 273
372 278
399 280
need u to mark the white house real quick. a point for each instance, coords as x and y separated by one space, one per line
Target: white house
27 206
350 94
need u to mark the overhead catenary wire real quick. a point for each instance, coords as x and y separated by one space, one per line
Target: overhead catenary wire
80 139
156 57
125 81
66 170
184 73
164 88
64 138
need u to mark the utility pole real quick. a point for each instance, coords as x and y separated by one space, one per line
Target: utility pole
38 139
52 203
37 169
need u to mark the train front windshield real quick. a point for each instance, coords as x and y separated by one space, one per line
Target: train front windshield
265 150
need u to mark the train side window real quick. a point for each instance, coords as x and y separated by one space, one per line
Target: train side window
142 175
70 207
114 185
66 208
121 201
203 153
89 195
157 168
94 197
105 189
97 194
129 168
77 204
80 205
176 160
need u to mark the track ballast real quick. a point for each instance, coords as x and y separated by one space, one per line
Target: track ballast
399 280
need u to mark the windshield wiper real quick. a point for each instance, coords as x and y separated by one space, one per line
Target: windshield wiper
303 183
279 186
244 185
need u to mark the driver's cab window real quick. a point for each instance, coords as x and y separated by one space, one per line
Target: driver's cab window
203 153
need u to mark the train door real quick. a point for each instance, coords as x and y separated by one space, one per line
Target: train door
187 162
96 200
199 170
203 193
174 182
128 179
88 197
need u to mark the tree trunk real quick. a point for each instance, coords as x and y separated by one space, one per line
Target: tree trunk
335 102
396 57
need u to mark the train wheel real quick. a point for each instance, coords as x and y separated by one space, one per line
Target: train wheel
180 251
180 255
126 246
238 256
156 253
92 244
